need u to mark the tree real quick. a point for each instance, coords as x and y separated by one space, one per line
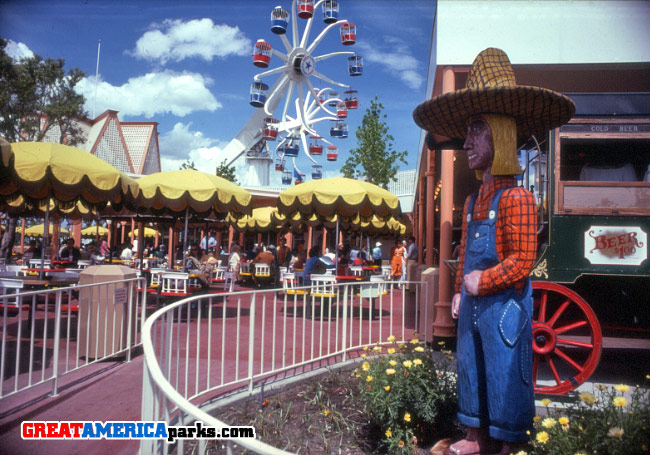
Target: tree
36 96
374 158
188 164
227 172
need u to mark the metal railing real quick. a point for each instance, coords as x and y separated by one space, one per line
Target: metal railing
206 348
49 333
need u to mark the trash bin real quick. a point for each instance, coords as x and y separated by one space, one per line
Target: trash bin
425 304
104 310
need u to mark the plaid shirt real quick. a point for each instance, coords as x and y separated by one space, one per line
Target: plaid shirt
516 236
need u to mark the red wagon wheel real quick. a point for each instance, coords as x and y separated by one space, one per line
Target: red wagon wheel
567 340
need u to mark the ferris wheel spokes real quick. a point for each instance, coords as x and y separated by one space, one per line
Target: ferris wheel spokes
328 80
287 44
288 99
271 102
258 77
317 96
320 58
322 34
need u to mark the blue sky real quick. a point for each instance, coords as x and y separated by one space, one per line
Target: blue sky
188 66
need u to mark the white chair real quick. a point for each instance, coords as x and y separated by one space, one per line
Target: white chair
385 271
323 285
282 270
8 287
262 270
245 269
356 270
229 279
16 270
83 263
289 284
372 291
174 284
156 277
36 263
217 275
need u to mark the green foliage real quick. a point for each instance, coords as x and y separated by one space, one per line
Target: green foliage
407 395
606 422
36 96
374 158
188 164
227 172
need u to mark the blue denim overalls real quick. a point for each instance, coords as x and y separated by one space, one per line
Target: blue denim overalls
495 386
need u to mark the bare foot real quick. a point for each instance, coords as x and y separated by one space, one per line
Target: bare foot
476 442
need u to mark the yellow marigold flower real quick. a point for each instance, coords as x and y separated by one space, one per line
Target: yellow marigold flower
365 348
392 363
579 453
365 366
615 432
358 375
369 378
521 452
407 417
542 437
619 402
326 411
415 341
601 387
390 371
417 362
548 422
389 433
546 402
419 349
391 338
563 420
588 398
622 388
450 357
387 388
537 419
377 348
407 363
390 350
400 444
363 356
441 343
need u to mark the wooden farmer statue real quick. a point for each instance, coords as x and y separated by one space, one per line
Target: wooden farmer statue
493 298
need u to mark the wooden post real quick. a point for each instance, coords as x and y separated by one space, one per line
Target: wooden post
421 220
443 326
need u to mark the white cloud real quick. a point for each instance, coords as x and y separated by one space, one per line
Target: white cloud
151 94
18 50
396 59
181 144
176 40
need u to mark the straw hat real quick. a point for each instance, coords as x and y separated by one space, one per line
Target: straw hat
491 89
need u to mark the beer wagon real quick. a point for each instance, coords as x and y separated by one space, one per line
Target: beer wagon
591 178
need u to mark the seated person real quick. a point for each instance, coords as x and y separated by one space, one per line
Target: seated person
264 257
312 264
127 252
194 265
298 261
69 252
94 256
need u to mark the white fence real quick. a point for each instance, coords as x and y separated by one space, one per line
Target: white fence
49 333
208 347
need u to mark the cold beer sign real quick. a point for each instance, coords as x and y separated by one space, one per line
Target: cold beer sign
616 245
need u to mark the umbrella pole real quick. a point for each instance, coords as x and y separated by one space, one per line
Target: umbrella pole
336 247
46 230
187 216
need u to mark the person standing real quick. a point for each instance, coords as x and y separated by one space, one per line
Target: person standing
396 255
376 254
493 299
411 253
404 254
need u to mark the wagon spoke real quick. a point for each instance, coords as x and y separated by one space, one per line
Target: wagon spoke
542 307
567 328
580 344
551 365
568 359
551 322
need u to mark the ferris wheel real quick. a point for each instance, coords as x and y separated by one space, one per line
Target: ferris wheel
281 133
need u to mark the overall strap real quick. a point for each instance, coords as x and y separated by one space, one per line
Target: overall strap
494 206
470 207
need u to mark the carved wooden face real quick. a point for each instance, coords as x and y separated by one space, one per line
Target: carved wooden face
478 145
